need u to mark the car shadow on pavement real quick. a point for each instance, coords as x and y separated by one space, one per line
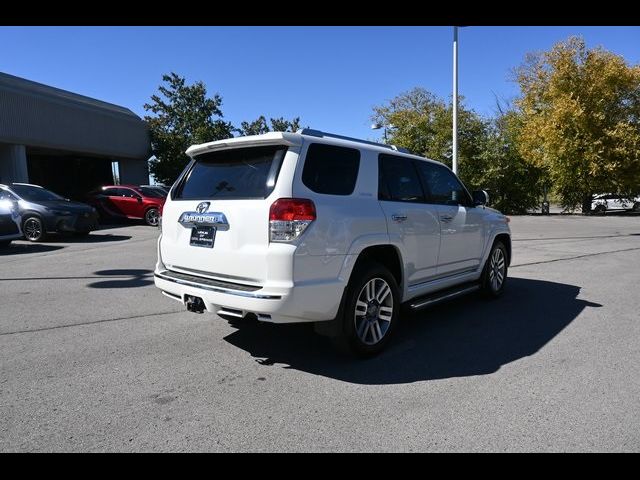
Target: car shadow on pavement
123 278
470 336
91 238
120 223
620 213
22 248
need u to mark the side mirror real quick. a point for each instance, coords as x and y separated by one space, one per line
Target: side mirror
480 197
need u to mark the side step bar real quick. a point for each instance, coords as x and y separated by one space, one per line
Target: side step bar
448 294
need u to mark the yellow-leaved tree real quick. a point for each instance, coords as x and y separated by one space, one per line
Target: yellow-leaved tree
580 120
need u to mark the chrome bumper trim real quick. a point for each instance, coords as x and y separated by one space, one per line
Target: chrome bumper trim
167 276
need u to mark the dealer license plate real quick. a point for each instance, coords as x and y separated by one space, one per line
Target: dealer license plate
203 236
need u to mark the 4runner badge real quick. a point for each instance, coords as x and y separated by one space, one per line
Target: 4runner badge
214 219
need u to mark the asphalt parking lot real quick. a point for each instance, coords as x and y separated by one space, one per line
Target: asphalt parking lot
94 358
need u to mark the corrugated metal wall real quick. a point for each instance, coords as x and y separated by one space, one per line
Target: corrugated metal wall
36 115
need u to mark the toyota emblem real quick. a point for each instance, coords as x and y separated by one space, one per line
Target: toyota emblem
202 207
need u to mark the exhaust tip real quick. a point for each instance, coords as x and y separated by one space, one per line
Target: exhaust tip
194 304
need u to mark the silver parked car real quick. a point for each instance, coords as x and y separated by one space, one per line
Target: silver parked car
9 220
43 212
607 202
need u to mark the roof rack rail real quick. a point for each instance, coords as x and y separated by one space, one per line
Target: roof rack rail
318 133
401 149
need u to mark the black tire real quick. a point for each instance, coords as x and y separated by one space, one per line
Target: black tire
365 330
599 210
33 229
494 274
636 207
151 217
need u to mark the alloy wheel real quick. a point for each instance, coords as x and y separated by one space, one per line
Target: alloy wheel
497 267
152 217
32 229
374 311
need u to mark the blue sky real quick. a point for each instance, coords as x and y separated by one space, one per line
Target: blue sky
329 76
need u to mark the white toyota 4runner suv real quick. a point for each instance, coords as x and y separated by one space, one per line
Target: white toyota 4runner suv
317 227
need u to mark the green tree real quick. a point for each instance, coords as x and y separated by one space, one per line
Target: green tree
422 123
488 156
580 111
260 126
282 125
183 115
514 184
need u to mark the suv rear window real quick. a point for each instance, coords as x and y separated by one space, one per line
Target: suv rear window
331 170
249 172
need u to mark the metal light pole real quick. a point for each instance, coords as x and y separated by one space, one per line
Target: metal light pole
455 100
378 126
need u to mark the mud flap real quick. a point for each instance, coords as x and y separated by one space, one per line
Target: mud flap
332 328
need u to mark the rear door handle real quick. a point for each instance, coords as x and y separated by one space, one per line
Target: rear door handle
446 218
396 217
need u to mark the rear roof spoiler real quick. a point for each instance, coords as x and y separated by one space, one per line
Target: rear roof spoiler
280 138
271 138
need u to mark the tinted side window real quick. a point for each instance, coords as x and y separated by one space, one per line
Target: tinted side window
398 180
120 192
152 192
127 192
444 187
5 195
111 192
331 170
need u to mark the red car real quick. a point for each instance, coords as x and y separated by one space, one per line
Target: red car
128 201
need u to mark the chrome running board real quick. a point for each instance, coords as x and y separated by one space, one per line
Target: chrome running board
448 294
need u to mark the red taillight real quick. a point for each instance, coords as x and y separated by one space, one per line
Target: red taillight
289 218
290 209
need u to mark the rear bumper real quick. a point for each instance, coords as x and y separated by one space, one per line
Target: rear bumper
309 302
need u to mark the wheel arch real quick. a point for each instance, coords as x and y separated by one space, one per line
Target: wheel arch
387 255
30 213
495 235
384 253
505 238
26 214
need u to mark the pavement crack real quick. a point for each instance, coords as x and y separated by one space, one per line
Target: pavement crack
594 237
33 330
574 257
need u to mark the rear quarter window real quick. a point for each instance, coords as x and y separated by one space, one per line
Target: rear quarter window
398 180
330 169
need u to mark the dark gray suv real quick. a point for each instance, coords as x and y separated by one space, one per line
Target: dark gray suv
45 212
